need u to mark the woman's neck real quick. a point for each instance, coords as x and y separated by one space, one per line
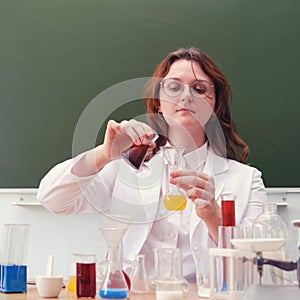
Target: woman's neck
191 141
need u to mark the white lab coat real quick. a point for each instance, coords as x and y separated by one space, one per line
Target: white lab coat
118 189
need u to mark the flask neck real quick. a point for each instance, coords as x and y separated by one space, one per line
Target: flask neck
174 189
271 209
115 257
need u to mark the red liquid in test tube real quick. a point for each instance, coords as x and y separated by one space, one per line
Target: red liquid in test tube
228 220
228 210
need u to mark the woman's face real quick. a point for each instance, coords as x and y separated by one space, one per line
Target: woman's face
187 110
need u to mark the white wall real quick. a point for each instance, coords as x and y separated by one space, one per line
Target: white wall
50 234
64 235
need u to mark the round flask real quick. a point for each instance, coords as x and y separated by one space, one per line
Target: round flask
270 224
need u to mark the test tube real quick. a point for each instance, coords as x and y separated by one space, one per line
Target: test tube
228 209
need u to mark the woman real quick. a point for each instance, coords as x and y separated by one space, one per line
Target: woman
188 104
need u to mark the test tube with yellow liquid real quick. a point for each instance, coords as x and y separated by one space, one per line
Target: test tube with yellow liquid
72 277
72 283
174 199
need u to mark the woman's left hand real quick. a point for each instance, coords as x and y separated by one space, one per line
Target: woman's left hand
200 188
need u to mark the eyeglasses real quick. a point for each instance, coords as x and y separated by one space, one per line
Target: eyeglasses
199 88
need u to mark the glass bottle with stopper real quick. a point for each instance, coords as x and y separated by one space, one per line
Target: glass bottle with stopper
174 199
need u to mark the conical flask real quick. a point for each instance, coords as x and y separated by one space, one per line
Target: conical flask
114 285
174 199
140 281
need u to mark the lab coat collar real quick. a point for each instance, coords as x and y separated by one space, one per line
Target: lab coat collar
195 159
215 164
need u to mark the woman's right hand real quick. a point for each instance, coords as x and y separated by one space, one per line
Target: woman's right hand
121 136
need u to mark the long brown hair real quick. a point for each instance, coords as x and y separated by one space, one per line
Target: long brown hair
228 143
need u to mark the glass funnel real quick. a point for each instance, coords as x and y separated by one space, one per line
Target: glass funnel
174 199
114 285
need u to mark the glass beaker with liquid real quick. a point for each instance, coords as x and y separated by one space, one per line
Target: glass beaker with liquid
13 269
174 199
169 281
114 285
85 275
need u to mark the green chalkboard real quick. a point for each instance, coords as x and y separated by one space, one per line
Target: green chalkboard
56 56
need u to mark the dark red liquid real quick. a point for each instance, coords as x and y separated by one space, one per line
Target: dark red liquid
86 280
228 212
127 279
136 155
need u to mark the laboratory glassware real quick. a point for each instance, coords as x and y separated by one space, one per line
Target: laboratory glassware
114 285
85 275
140 282
13 269
174 199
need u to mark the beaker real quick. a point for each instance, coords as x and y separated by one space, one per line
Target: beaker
114 285
169 263
13 256
85 275
169 281
174 199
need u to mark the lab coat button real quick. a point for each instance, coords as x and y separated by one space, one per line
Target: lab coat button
172 236
195 246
